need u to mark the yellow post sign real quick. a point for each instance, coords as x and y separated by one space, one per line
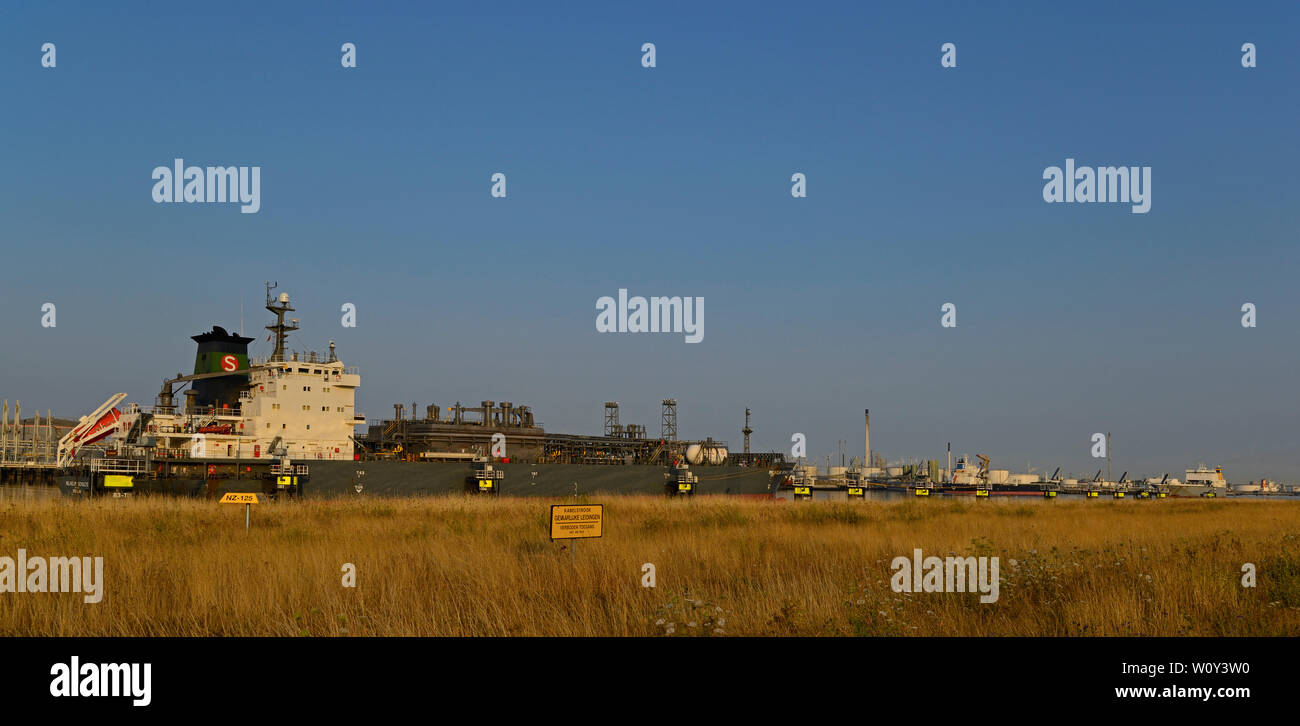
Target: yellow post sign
240 498
248 499
577 521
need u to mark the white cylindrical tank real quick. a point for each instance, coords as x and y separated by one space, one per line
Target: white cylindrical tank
713 456
839 470
998 476
894 470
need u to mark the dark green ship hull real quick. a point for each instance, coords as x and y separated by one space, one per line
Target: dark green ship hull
400 478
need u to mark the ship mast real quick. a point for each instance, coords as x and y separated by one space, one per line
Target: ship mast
281 330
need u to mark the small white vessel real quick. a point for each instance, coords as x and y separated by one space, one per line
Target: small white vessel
1200 482
1263 486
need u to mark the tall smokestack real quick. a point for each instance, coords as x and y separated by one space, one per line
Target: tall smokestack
220 352
866 436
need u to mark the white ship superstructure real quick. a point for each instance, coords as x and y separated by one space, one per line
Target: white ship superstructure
297 406
306 404
1200 482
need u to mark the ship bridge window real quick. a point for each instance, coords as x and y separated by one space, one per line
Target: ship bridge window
302 370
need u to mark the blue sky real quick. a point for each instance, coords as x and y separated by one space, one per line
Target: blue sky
924 187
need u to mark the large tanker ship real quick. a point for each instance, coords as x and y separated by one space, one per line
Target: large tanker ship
287 425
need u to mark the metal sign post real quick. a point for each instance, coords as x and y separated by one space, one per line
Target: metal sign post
248 499
576 521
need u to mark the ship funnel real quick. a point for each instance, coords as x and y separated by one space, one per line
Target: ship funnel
220 352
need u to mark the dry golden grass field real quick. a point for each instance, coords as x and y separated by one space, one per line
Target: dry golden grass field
485 567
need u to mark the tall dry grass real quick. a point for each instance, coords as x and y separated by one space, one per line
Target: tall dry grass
449 566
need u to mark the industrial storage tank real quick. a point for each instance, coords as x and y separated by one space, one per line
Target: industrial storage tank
712 456
999 476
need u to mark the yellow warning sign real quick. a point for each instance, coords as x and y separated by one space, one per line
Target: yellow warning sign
118 480
240 498
577 521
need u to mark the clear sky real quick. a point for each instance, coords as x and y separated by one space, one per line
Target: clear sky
924 186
